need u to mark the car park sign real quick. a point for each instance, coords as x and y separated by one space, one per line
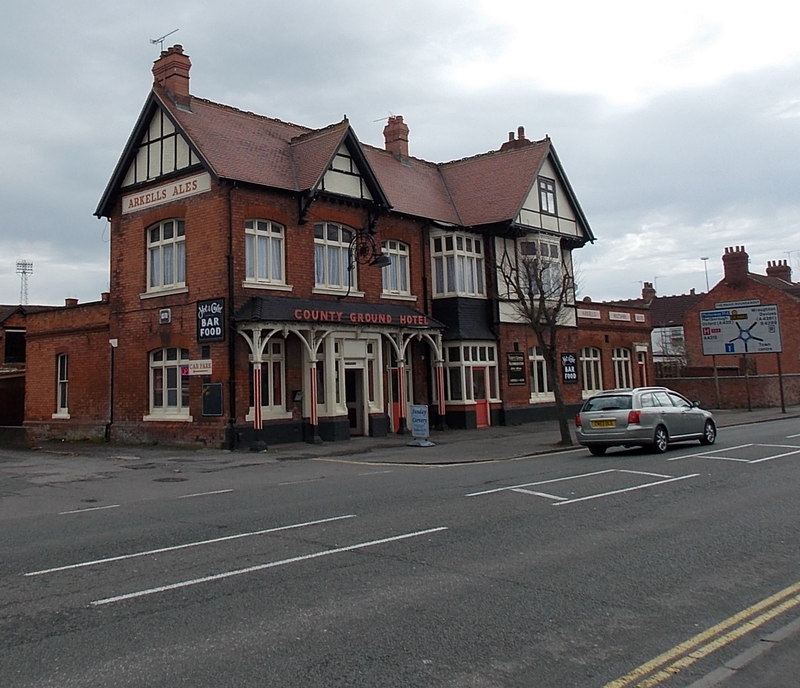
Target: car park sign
741 330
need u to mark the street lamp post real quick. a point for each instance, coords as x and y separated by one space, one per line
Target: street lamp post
705 267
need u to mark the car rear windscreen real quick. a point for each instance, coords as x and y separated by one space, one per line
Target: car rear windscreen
608 403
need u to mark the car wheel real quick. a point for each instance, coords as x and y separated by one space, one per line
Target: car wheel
709 433
597 449
660 440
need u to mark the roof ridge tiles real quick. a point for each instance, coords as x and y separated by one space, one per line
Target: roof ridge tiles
507 151
250 113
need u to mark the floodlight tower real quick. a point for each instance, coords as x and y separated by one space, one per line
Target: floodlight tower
24 268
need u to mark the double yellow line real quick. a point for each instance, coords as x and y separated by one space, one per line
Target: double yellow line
681 656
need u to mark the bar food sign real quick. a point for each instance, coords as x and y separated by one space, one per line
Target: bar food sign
211 321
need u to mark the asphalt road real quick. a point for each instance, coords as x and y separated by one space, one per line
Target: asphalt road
554 571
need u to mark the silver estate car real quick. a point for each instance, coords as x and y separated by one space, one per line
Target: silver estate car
644 417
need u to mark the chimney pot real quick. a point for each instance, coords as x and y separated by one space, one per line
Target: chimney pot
171 71
70 303
395 135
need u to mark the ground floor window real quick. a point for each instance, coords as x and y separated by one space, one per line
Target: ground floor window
592 370
169 382
541 385
273 380
62 386
470 371
621 359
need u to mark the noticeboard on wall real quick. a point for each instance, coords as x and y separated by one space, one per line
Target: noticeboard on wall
569 367
516 368
212 399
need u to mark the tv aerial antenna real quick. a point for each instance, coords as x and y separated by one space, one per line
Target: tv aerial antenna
160 40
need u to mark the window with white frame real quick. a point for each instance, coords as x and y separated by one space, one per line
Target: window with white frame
166 249
458 265
169 387
264 252
541 385
62 384
547 195
396 278
461 361
541 261
591 367
621 360
273 379
332 260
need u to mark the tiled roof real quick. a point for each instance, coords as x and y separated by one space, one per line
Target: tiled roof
670 310
250 148
492 187
790 288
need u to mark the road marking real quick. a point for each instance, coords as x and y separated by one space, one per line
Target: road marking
706 453
91 508
541 482
204 494
701 645
626 489
777 456
174 548
262 567
538 494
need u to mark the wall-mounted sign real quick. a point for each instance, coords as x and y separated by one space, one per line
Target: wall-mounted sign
516 368
202 366
166 193
320 315
569 366
211 320
165 316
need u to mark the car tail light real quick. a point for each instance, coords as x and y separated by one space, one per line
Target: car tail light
633 417
577 420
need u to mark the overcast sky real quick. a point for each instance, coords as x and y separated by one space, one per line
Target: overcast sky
678 124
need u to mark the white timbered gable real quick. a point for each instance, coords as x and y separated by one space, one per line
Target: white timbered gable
162 150
548 205
344 177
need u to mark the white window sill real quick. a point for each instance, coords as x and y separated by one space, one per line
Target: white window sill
398 297
252 284
61 415
456 295
541 398
266 414
167 418
337 292
164 292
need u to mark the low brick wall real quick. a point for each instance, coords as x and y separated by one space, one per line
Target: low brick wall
764 390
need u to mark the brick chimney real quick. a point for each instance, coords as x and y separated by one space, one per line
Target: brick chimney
648 293
171 71
735 262
519 142
780 269
395 133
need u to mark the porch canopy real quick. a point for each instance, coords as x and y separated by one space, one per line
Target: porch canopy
313 320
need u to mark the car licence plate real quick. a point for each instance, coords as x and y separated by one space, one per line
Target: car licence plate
610 423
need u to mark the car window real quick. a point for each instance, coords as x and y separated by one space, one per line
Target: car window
663 399
679 401
647 400
608 403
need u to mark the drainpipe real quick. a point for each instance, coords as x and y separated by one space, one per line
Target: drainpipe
231 331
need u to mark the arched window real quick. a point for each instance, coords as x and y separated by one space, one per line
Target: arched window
166 251
621 358
264 252
169 387
591 367
332 261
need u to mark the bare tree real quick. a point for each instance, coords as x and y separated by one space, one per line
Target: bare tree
540 287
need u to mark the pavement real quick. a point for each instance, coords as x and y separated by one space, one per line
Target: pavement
496 443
